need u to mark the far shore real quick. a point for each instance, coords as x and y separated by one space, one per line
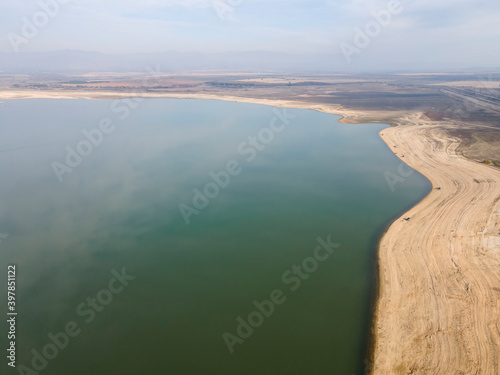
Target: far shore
348 116
438 307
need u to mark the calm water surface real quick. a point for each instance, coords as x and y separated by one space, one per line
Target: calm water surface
119 208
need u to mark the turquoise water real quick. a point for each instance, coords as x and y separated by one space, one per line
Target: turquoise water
306 179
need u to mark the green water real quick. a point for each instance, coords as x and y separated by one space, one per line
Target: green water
119 208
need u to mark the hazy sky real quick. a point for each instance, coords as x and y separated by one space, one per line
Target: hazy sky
442 31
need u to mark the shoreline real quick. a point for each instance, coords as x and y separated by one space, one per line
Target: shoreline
437 310
417 282
375 294
348 116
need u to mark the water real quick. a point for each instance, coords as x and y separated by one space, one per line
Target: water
119 208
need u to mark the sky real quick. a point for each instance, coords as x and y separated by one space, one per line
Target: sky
439 31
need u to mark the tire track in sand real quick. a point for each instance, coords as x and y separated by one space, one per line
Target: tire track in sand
438 310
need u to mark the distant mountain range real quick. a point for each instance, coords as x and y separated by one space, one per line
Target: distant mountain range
72 61
77 62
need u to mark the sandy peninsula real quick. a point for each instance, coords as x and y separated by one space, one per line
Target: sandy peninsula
438 310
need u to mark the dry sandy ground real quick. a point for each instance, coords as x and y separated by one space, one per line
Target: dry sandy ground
439 305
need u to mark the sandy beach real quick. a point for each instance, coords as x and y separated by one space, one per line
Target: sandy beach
349 116
438 310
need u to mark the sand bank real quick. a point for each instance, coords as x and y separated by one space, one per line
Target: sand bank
438 310
349 116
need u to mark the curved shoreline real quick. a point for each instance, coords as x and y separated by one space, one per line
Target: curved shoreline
348 116
374 299
436 308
